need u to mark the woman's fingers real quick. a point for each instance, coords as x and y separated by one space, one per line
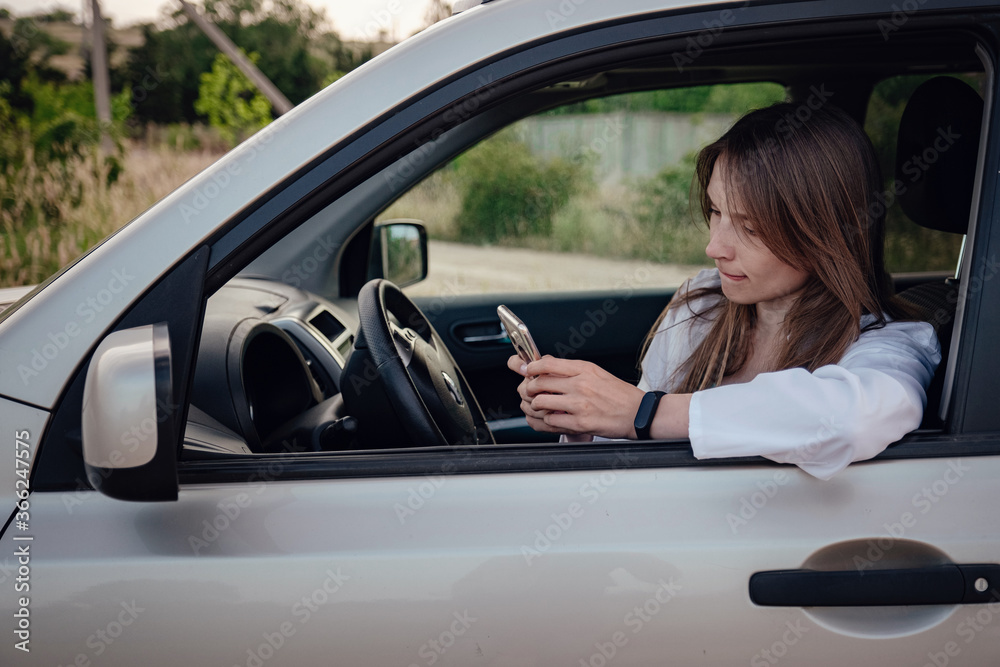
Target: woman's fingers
552 402
540 425
532 411
572 396
549 384
516 364
549 365
522 391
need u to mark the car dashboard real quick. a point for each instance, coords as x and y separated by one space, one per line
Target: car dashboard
269 371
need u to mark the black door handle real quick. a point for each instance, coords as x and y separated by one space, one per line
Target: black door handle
937 584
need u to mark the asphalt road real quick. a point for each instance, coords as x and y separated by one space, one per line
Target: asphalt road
467 269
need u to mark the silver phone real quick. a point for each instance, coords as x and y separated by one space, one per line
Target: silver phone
519 335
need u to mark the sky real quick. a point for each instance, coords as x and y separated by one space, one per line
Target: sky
351 19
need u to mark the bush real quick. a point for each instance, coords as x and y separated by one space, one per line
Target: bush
64 124
49 166
664 218
506 192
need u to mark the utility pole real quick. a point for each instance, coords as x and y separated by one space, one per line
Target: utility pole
278 100
99 74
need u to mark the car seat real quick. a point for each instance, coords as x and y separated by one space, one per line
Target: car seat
936 154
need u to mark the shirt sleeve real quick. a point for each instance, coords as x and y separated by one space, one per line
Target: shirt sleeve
825 419
676 337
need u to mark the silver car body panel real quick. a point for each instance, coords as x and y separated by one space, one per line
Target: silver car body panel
502 569
21 424
10 295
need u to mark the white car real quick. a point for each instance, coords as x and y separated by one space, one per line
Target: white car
223 444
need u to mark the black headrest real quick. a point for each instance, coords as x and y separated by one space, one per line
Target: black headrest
936 153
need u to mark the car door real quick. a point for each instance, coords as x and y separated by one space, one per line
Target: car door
606 327
518 554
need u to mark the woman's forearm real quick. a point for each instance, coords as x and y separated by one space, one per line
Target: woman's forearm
671 420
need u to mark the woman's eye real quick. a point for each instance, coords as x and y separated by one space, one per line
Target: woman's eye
713 212
749 231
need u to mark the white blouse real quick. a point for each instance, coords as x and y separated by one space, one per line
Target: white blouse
820 421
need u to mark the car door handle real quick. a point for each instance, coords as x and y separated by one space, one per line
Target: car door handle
937 584
501 337
481 334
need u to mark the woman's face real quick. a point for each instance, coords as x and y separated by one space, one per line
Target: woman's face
751 274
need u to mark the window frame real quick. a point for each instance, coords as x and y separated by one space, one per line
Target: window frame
540 457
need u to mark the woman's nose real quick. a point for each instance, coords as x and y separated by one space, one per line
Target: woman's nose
720 244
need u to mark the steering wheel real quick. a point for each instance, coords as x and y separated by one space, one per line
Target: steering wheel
408 361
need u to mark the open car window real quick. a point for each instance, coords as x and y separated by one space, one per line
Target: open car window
576 197
567 174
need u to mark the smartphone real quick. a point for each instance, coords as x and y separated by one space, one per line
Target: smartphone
519 335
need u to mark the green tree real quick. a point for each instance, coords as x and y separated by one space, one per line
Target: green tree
27 50
296 52
229 100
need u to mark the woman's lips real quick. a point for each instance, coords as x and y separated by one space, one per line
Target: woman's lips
732 277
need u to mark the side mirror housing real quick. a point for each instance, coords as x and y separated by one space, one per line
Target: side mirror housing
129 418
399 252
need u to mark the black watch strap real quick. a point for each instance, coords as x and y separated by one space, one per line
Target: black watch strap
647 410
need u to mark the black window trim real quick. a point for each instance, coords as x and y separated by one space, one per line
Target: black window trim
529 458
970 375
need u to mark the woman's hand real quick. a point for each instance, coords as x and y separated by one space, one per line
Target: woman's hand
571 396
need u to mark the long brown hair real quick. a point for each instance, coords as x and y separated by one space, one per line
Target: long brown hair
809 186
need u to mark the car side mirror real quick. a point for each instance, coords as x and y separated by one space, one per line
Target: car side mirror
128 416
399 252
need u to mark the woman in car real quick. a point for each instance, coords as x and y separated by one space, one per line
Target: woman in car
793 347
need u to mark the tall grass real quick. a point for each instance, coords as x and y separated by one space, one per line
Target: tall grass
56 211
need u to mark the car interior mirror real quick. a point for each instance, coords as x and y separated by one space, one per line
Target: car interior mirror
128 416
399 252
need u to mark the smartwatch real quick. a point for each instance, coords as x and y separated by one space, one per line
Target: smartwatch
647 410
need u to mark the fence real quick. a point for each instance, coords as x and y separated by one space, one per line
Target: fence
623 145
